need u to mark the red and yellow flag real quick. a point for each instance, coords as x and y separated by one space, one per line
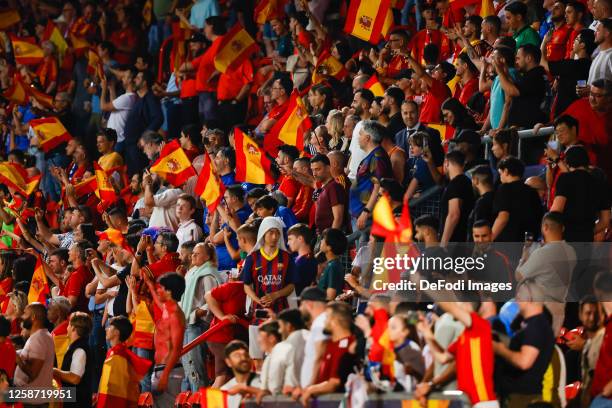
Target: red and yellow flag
266 10
50 133
61 341
8 18
446 131
144 327
328 65
486 8
374 85
44 99
39 288
121 373
86 186
53 34
382 350
366 19
209 187
79 44
235 47
94 64
17 92
115 237
252 164
16 177
105 190
212 398
26 51
290 128
173 164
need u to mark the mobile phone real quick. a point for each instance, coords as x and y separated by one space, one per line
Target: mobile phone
581 83
261 314
528 236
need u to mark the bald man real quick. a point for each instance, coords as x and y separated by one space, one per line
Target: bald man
359 81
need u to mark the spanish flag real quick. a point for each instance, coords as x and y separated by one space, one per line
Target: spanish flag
211 398
446 131
50 133
61 341
173 164
374 85
9 18
39 288
290 128
328 65
94 64
252 164
42 98
121 373
53 34
452 84
86 186
387 25
16 92
382 350
209 187
486 8
266 10
366 19
144 327
79 44
26 51
105 190
235 47
16 177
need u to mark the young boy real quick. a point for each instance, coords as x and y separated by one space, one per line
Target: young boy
247 238
333 244
300 239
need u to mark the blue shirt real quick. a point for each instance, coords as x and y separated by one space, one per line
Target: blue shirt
305 272
420 171
224 260
201 10
229 179
497 99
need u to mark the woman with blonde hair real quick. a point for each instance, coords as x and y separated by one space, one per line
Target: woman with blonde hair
15 309
335 128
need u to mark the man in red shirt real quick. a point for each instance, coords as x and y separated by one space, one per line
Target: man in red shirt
74 286
287 184
556 39
390 63
303 201
601 388
338 358
280 92
468 82
227 303
7 350
472 352
233 94
431 34
574 14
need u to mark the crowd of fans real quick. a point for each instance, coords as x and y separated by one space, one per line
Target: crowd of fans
279 275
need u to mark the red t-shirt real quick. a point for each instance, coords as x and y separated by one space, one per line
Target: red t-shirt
473 352
168 263
332 358
432 102
232 300
126 38
570 40
424 37
278 111
205 66
231 82
592 129
302 204
465 92
8 360
396 65
188 88
556 47
603 369
75 286
289 187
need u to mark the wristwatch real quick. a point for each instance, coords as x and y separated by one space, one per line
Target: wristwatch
367 210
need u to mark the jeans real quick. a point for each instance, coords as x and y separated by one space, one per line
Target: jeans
601 402
145 383
417 11
361 236
50 186
97 344
166 398
193 362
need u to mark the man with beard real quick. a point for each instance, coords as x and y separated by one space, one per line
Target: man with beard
496 264
557 39
362 101
482 183
244 382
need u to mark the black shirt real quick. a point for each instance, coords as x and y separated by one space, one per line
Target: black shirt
459 187
535 331
121 298
586 195
526 109
396 124
568 73
525 208
483 210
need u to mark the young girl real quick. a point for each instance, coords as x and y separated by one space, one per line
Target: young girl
409 363
419 173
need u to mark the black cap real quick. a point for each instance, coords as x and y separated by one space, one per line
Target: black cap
468 136
313 293
197 37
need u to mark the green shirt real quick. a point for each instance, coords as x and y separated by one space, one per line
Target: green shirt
526 35
332 276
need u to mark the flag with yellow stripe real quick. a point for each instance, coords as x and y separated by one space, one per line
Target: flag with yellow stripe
53 34
209 186
144 327
290 128
61 341
212 398
50 133
105 190
173 164
252 164
328 65
26 51
366 18
8 18
16 92
39 96
235 47
16 177
374 85
266 10
39 288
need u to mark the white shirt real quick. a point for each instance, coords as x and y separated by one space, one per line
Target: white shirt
39 346
297 339
314 336
277 369
164 212
601 67
122 104
234 401
113 289
79 359
189 231
357 153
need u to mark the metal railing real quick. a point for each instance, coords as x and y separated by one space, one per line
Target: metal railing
522 135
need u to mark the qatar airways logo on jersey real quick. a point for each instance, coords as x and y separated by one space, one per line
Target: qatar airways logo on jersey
270 280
